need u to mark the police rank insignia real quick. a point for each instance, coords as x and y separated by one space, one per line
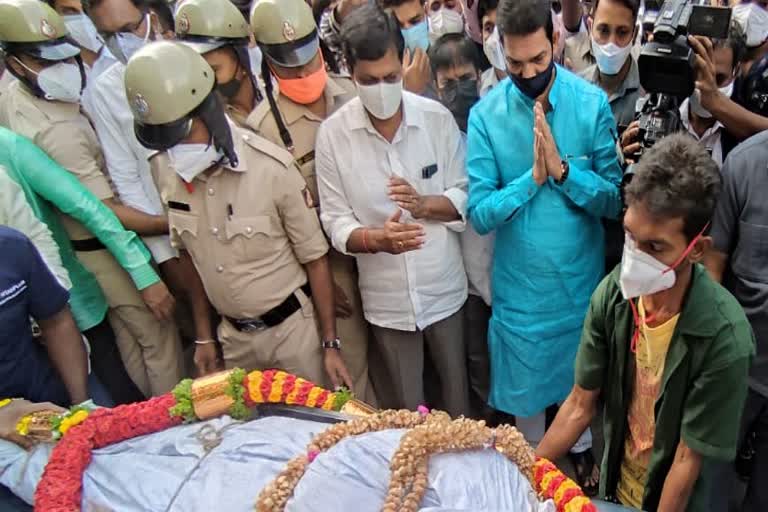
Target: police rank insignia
47 29
140 106
288 31
182 24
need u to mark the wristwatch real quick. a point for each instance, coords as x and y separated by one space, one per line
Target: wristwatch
335 344
564 176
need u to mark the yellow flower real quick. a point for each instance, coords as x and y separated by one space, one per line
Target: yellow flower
22 427
65 425
254 387
565 486
547 479
312 397
276 393
5 401
329 401
79 417
576 504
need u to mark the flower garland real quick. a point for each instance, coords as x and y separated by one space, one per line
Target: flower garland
552 484
60 488
276 386
276 494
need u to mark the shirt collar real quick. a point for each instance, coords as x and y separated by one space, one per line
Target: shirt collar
293 111
631 82
685 119
240 139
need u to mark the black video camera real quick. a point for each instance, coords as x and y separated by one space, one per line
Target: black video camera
666 63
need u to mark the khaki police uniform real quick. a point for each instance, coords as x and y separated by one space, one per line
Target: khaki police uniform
249 231
150 348
303 125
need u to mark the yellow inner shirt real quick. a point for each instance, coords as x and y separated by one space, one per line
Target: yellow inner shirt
650 357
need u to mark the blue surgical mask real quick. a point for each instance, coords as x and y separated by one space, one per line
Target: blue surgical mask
417 36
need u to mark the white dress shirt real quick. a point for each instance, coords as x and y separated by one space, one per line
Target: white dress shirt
126 159
16 213
710 139
354 163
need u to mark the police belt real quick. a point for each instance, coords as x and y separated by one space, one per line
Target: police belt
88 245
274 316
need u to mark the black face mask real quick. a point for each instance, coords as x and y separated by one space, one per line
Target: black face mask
459 97
534 86
229 89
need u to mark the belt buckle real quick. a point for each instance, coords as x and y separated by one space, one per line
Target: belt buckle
254 325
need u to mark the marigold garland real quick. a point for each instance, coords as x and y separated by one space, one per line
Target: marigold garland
552 484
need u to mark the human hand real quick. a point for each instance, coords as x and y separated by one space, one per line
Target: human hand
552 160
539 166
159 300
416 72
206 359
12 413
704 64
343 306
406 197
336 369
397 237
630 143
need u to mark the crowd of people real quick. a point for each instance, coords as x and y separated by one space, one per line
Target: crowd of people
443 202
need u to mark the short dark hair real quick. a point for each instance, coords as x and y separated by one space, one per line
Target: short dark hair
524 17
677 178
453 50
484 7
388 4
160 7
632 5
736 41
368 33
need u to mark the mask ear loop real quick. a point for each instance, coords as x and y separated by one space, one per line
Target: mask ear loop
687 249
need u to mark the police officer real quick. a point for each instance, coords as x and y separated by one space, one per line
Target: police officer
286 32
44 106
237 204
218 31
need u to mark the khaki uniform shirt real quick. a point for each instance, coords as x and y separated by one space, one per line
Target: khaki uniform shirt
248 229
302 124
64 132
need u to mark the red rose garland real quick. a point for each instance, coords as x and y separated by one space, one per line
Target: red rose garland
61 487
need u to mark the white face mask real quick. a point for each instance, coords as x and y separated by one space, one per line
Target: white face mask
60 82
493 51
642 274
610 57
255 57
695 101
190 160
754 22
381 100
129 43
445 21
84 32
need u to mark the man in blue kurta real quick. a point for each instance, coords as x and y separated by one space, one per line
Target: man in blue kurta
543 171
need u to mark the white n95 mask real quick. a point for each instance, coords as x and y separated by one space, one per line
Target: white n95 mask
381 100
445 21
493 51
610 58
60 82
190 160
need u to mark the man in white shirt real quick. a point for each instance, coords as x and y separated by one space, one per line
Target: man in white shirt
392 185
126 25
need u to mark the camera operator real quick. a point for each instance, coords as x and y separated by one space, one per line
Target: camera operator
737 122
753 19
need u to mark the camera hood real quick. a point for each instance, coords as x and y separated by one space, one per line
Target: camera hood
667 68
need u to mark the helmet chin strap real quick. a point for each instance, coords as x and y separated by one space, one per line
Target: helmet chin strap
211 112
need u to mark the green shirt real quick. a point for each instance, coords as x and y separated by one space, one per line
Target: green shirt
47 186
703 388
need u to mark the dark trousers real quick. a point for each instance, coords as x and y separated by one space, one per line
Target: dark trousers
108 366
477 314
728 494
10 503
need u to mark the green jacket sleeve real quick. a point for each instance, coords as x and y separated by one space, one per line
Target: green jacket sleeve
55 184
715 401
592 357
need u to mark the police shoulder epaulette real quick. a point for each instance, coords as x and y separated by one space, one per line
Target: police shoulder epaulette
258 115
269 148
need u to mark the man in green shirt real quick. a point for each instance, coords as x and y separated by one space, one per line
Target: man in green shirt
666 348
46 186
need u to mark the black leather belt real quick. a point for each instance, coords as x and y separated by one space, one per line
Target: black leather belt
88 245
274 316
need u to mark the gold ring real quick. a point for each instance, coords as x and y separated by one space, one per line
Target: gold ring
400 244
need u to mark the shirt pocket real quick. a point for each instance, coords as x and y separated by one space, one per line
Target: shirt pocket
251 237
752 252
183 227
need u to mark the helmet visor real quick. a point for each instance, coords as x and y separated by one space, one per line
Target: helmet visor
59 49
293 54
162 136
205 44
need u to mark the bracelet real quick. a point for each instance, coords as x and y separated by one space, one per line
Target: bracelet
365 240
333 344
204 342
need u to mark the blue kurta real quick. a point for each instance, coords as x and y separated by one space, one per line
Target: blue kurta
549 253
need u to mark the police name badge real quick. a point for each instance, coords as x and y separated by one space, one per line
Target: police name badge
140 106
288 31
47 29
182 24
